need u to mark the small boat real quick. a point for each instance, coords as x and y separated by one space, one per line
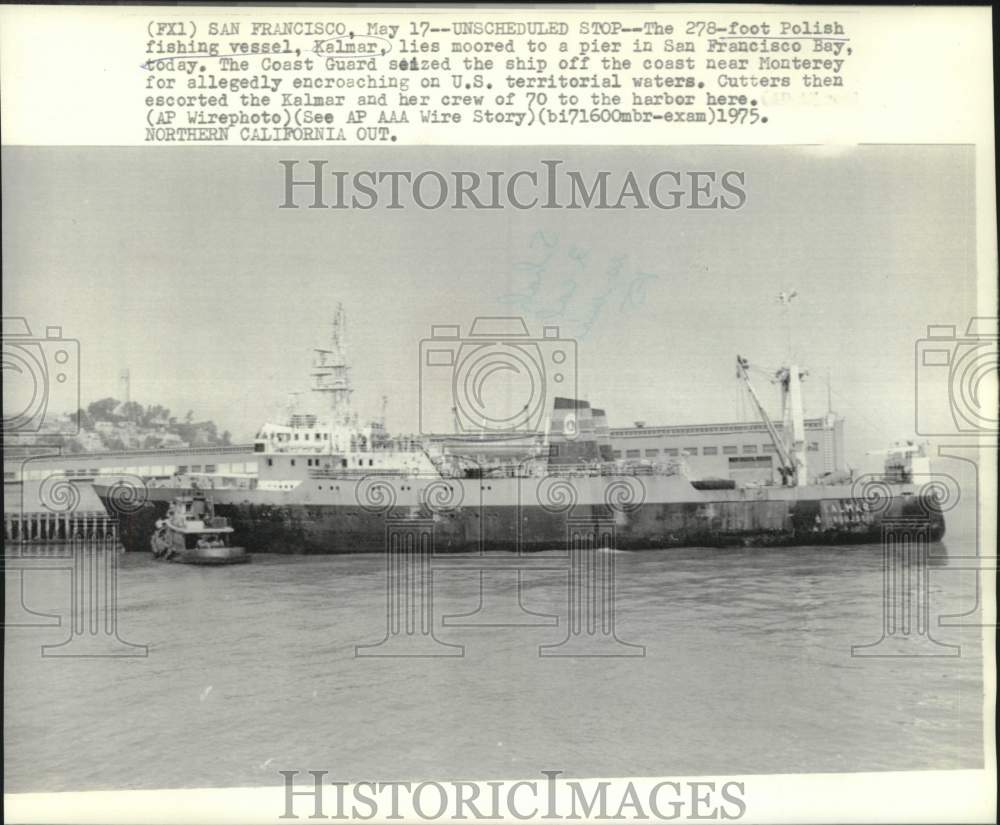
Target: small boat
191 533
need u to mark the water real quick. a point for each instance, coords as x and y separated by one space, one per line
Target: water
252 669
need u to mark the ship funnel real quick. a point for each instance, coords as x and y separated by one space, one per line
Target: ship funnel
572 437
602 434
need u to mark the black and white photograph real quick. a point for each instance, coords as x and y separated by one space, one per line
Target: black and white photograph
532 482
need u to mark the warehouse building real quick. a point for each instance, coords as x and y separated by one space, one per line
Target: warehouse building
740 451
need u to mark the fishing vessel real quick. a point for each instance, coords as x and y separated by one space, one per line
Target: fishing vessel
190 532
327 484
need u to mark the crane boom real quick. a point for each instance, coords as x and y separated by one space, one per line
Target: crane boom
788 469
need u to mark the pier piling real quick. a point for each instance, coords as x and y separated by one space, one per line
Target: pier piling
56 528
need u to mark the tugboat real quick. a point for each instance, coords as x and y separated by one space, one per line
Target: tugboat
191 533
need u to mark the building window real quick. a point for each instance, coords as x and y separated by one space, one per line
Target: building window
631 454
769 448
749 448
293 462
729 449
652 453
690 451
195 468
270 462
181 470
709 450
553 451
616 453
814 446
744 462
670 451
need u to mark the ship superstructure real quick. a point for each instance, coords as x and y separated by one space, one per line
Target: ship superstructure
325 432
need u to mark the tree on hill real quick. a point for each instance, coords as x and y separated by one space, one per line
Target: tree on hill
104 410
114 411
131 411
155 413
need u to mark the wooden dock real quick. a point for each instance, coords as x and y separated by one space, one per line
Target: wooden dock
58 528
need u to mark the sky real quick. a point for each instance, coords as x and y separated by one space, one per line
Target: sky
176 264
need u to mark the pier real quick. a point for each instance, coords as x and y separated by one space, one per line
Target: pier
57 528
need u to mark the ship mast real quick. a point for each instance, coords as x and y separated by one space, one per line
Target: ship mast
790 379
330 371
791 449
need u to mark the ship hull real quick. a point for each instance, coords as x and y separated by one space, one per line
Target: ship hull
213 557
277 524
